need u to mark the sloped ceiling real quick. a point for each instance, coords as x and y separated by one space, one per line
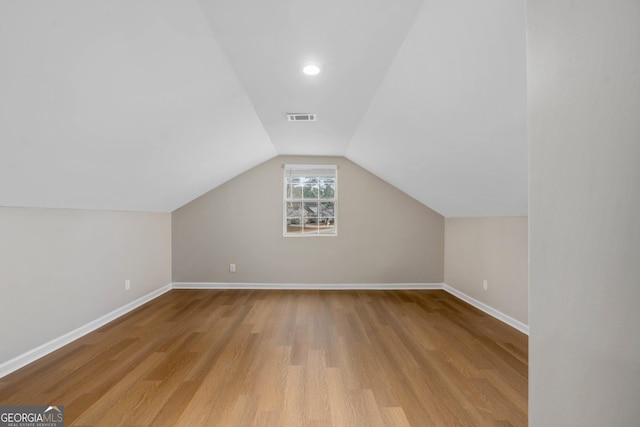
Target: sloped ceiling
147 104
123 105
448 123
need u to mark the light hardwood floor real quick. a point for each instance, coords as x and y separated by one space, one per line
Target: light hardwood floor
287 358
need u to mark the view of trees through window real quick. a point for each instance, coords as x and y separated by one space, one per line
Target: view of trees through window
310 201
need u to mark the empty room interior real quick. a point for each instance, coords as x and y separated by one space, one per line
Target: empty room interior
343 213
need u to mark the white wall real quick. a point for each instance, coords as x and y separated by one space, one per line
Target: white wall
584 139
494 249
61 269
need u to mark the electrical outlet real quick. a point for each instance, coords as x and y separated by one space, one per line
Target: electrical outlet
127 285
485 285
232 268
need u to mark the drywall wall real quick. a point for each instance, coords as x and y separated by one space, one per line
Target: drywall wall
584 216
61 269
384 236
494 249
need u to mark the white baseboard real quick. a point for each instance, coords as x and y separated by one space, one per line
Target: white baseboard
488 309
38 352
32 355
306 286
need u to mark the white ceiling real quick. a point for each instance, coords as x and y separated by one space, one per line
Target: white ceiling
448 123
147 104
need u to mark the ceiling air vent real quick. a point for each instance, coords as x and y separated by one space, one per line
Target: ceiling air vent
301 117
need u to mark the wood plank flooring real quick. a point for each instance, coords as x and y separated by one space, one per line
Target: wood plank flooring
287 358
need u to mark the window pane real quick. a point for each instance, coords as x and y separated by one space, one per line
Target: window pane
327 188
294 228
310 190
294 210
328 227
311 211
294 189
310 227
326 210
308 230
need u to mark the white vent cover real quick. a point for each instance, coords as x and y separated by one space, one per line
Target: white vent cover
302 117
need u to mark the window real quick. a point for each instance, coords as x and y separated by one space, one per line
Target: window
310 200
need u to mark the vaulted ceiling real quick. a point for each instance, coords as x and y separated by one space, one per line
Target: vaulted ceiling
147 104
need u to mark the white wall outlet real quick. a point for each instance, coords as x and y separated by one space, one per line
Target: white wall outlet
127 284
485 285
232 268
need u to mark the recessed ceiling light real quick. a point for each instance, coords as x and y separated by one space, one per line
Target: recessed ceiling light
311 69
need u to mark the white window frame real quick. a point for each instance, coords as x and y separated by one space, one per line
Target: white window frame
288 169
